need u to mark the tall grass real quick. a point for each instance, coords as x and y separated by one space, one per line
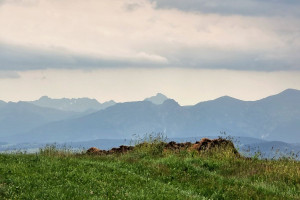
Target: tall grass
55 150
147 172
149 145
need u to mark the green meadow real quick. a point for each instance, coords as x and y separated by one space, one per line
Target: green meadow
146 173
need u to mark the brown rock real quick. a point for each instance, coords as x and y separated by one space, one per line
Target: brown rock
121 149
207 144
172 145
93 150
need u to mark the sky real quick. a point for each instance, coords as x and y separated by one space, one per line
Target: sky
126 50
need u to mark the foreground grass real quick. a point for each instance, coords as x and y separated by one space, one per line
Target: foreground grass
140 175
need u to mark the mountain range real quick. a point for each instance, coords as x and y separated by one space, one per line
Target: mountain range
17 118
276 117
75 105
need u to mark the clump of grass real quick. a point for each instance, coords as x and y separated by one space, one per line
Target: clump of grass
55 150
150 144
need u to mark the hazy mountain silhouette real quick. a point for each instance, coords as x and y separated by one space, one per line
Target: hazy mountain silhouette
273 118
22 117
76 105
2 103
157 99
271 149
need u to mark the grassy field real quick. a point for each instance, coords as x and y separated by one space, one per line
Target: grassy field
146 173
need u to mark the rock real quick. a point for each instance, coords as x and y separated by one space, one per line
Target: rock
121 149
172 146
93 150
206 144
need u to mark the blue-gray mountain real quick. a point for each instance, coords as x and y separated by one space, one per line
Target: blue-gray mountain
22 117
76 105
17 118
158 99
2 103
273 118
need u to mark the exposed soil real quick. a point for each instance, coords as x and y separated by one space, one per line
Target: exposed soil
204 144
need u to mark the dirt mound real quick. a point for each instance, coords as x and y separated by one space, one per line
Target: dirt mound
204 144
177 146
121 149
93 150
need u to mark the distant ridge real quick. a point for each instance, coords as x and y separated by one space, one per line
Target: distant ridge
2 103
285 95
76 105
276 117
157 99
16 118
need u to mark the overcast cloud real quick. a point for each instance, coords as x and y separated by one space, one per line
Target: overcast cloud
201 34
233 7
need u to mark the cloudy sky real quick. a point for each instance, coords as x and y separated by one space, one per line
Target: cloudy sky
190 50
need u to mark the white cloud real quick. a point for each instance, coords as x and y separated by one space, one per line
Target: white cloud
125 32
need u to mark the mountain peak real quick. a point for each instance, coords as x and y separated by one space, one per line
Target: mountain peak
110 101
289 97
290 92
159 98
44 98
227 98
160 94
